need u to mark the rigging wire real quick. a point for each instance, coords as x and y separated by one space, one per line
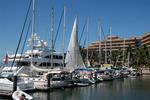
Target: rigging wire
58 29
83 31
25 40
21 34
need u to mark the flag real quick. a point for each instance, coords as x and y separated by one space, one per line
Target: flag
6 59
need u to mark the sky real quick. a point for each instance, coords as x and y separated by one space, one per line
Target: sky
128 18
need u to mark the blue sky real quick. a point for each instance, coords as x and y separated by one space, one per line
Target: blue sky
127 18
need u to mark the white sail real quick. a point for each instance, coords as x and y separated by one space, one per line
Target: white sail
73 56
88 63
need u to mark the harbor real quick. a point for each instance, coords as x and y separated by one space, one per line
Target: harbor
121 89
111 68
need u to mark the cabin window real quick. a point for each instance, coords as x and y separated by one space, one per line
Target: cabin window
58 64
35 55
54 57
60 57
23 63
45 64
49 64
49 56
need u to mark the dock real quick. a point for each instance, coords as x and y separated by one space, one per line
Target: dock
146 71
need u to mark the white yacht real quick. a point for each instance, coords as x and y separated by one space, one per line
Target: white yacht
42 57
36 61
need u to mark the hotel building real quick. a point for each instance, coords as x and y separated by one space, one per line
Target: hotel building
115 43
146 40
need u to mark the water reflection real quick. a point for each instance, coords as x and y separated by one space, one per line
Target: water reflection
121 89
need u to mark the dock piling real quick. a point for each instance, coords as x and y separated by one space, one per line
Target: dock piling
48 81
15 83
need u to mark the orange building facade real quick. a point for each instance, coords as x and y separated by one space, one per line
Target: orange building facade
146 40
116 43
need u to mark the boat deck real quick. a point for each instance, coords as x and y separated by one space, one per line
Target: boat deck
5 93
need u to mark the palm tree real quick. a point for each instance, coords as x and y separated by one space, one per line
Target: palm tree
139 56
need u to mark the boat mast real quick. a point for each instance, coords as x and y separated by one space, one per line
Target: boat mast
52 29
76 55
105 50
99 32
123 51
52 35
87 58
64 33
128 59
110 45
33 30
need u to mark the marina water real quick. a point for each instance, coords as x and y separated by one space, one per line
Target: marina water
120 89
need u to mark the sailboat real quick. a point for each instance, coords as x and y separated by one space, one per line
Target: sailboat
105 69
73 57
53 77
74 61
